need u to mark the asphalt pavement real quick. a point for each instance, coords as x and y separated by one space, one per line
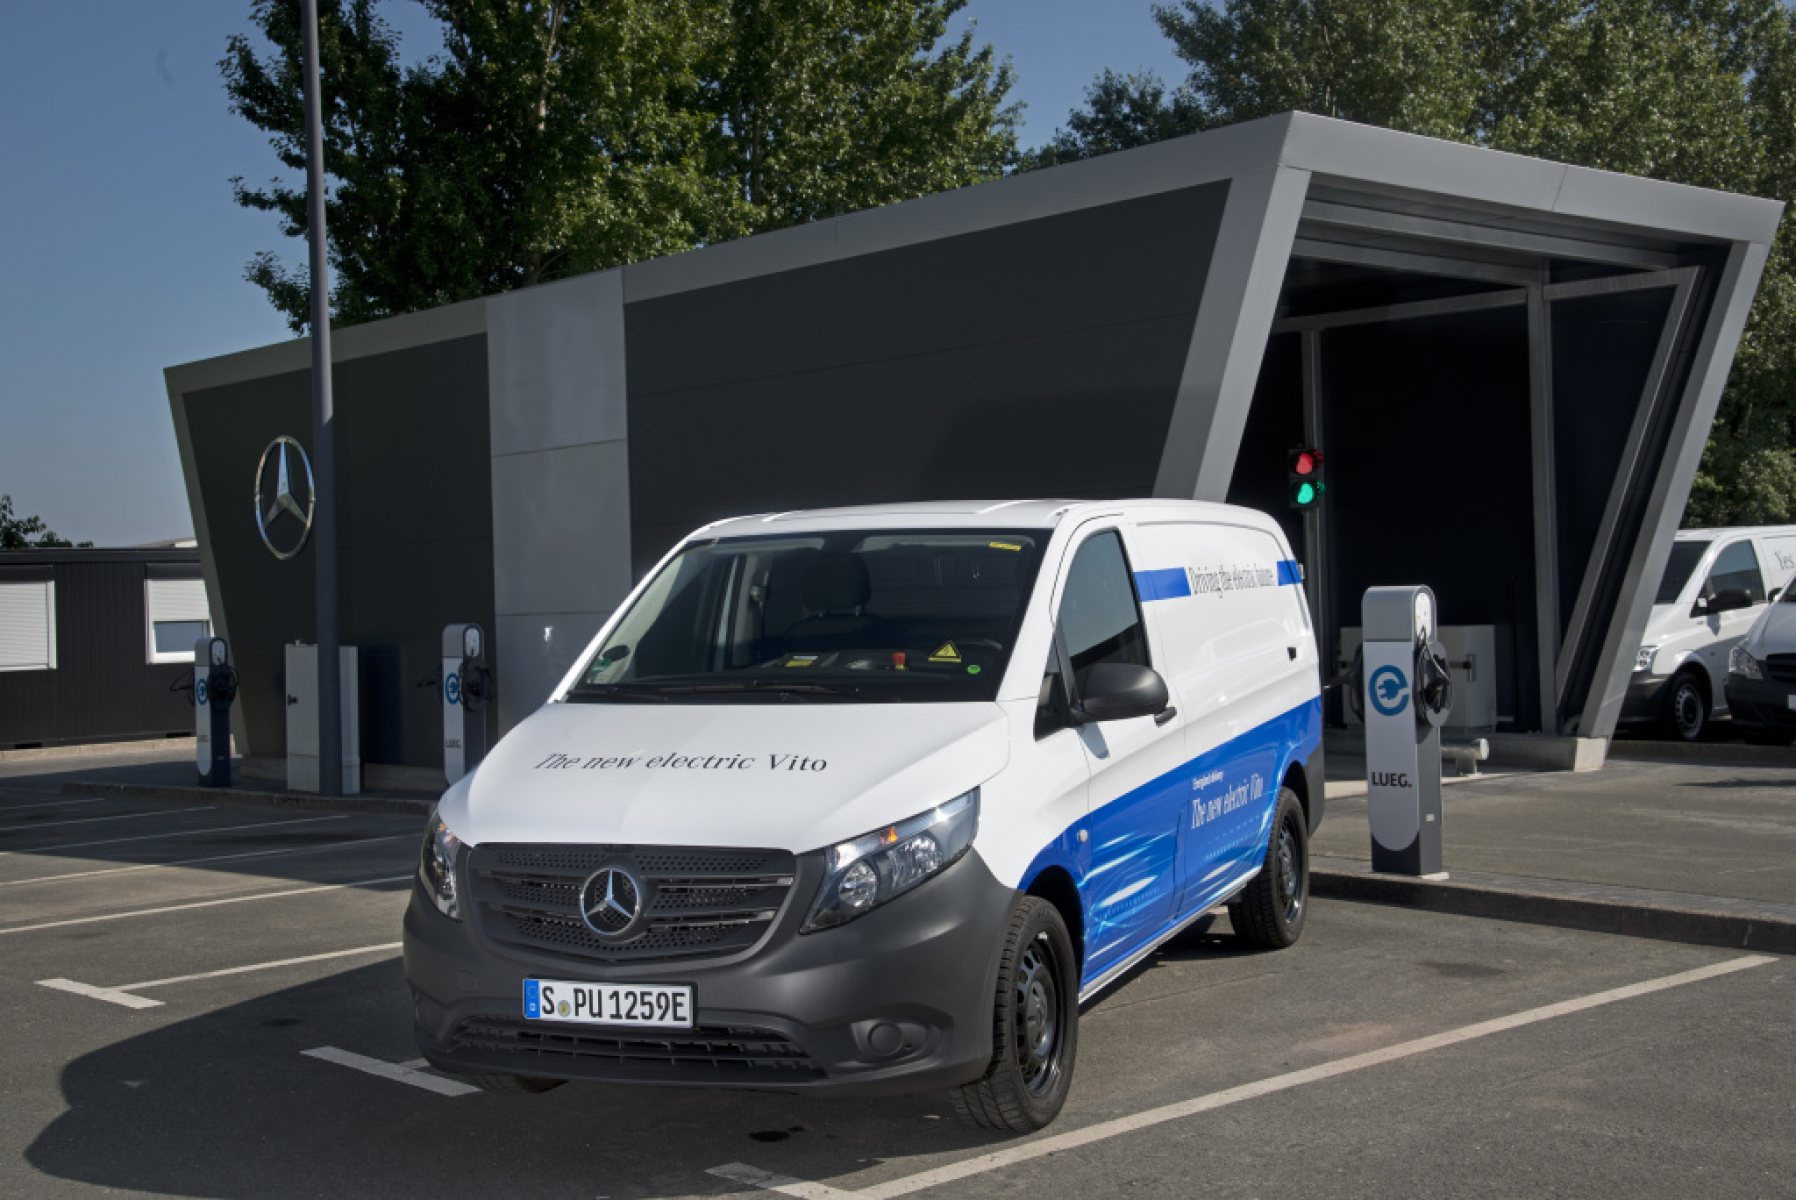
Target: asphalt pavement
204 998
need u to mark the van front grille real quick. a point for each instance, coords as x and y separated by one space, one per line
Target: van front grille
703 1055
695 901
1781 667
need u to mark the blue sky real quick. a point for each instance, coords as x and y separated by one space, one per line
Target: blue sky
124 253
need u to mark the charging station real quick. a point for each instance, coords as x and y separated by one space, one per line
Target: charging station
1407 694
214 687
467 686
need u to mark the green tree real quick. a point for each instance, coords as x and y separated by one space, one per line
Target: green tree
1700 92
27 533
554 138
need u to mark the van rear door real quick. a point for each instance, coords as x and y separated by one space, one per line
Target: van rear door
1235 646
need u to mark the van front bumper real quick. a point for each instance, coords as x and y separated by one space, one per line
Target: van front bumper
1645 700
898 1000
1761 703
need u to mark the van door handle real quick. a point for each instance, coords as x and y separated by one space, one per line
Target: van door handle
1165 715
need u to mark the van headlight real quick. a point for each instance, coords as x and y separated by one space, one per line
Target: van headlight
862 874
1643 658
436 867
1740 663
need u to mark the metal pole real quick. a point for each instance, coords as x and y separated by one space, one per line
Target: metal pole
324 528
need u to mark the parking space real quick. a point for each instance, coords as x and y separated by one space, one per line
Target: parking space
227 1017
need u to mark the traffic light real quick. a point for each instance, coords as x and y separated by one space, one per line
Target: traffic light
1304 486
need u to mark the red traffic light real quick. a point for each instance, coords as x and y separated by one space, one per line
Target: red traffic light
1306 463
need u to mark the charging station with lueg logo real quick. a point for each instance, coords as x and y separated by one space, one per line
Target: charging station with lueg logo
1407 692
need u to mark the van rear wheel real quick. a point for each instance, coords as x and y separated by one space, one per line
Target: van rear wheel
1035 1026
1269 912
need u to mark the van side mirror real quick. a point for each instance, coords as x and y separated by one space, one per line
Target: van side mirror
1117 691
1730 599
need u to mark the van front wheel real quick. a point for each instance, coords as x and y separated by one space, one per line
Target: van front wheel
1035 1026
1686 708
1269 912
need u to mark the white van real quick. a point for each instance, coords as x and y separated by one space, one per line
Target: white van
1716 583
870 800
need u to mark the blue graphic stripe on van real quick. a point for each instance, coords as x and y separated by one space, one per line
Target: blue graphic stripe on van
1167 583
1212 797
1289 572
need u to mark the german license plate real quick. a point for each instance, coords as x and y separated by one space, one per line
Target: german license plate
640 1005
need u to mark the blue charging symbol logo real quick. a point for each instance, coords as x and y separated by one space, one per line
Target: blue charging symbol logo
1390 691
452 689
199 692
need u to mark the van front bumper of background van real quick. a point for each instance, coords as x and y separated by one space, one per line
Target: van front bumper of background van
1645 699
1761 703
898 1000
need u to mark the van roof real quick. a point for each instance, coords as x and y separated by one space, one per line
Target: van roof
1694 535
977 514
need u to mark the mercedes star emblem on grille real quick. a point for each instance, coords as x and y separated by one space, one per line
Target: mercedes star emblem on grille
609 901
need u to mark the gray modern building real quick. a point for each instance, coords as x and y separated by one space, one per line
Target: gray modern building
1511 366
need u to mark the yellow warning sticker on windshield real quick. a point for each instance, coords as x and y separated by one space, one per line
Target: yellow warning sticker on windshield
947 654
801 660
1004 545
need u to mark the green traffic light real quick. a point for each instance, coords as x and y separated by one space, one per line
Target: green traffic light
1307 494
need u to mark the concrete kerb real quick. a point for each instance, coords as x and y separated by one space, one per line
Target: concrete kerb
368 803
1662 916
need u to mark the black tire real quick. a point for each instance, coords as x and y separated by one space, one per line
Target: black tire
1269 912
513 1084
1035 1026
1686 708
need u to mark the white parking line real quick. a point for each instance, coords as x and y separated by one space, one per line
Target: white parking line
783 1184
211 858
59 847
1073 1139
393 1071
33 827
122 994
9 808
168 908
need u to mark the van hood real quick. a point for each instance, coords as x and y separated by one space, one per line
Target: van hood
781 776
1774 632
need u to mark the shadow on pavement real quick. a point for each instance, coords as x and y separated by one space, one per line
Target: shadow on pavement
225 1104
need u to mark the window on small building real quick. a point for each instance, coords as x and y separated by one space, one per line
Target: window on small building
28 626
177 617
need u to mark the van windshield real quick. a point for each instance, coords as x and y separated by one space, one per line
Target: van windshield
1683 560
926 616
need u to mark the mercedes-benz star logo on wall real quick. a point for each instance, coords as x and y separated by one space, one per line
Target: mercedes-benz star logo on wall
610 900
280 517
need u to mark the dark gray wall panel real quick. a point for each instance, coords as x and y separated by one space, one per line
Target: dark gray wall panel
1602 350
414 526
1426 428
1035 359
1274 428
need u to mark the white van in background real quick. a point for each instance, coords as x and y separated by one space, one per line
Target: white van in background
1716 584
870 800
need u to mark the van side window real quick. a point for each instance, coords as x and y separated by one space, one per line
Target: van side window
1100 617
1736 569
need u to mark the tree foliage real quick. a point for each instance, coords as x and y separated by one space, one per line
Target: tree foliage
27 533
1700 92
555 137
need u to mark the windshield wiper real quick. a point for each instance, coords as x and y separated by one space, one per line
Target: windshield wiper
595 693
